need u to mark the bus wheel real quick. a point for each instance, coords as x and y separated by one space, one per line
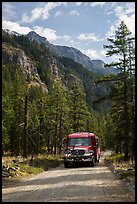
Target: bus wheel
66 164
92 164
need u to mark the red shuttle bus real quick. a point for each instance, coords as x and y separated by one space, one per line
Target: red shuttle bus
81 147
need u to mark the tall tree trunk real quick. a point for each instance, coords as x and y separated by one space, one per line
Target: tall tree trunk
126 127
60 133
25 138
55 135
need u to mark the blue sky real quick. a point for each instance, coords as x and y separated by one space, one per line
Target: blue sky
82 25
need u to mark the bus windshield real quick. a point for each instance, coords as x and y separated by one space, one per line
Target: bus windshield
83 141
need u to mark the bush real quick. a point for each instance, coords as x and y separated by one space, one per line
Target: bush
49 161
115 157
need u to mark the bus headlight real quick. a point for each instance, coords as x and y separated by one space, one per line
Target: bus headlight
89 153
67 153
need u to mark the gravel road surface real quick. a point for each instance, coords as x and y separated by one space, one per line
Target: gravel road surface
73 184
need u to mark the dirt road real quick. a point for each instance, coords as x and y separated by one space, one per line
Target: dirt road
76 184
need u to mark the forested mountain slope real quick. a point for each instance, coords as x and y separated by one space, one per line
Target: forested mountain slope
39 64
96 66
45 96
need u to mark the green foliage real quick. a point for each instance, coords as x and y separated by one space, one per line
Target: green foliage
78 109
6 38
49 161
115 157
119 133
26 169
87 81
12 106
28 166
37 120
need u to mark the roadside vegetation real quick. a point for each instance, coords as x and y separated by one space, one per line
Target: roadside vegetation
124 169
18 166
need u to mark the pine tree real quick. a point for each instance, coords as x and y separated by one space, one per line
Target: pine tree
79 112
57 117
121 46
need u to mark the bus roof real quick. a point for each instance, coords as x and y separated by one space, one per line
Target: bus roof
81 134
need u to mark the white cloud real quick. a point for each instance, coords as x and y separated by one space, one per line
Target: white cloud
15 26
73 13
93 4
36 13
78 3
126 14
130 8
59 13
118 10
50 34
94 54
42 12
67 38
111 31
89 36
129 21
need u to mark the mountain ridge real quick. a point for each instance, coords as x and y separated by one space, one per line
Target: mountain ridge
73 53
95 65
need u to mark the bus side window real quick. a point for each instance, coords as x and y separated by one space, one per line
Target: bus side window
91 141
